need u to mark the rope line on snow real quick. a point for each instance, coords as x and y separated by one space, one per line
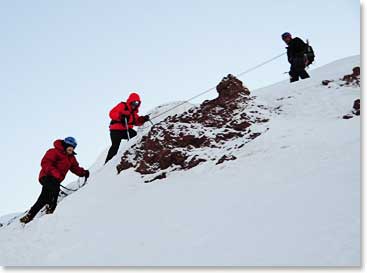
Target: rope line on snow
212 88
67 188
194 97
79 186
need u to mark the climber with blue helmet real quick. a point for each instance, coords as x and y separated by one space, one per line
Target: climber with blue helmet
55 165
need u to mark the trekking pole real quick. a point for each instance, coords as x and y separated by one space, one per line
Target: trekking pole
127 130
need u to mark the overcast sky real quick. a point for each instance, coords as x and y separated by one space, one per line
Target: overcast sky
65 64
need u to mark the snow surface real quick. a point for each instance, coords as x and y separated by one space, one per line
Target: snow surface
292 197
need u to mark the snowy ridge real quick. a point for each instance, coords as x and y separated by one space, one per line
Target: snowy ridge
292 197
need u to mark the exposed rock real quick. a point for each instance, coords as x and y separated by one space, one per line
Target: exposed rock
356 110
348 116
354 78
230 86
226 158
178 142
161 176
326 82
357 107
254 135
350 79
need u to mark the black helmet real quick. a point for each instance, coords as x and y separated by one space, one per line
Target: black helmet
286 34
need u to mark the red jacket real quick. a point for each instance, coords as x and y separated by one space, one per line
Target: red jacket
56 162
124 109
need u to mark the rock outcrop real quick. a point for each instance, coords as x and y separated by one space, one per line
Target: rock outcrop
347 80
356 110
209 132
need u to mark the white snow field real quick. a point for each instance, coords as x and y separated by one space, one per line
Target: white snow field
291 198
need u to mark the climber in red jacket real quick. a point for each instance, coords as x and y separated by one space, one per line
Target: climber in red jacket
123 118
55 165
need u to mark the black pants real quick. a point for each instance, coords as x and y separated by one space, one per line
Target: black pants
298 71
116 137
49 194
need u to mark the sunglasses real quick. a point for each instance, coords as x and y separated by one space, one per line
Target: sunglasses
135 103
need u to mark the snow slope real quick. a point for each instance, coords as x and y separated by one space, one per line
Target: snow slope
292 197
160 113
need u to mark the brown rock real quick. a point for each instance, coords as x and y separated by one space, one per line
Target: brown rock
173 142
326 82
226 158
161 176
353 78
347 116
357 107
356 71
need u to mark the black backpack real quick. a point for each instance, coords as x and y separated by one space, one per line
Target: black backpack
310 54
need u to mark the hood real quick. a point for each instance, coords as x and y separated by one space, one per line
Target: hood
133 97
58 144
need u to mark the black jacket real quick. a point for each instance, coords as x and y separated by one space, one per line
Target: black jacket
296 51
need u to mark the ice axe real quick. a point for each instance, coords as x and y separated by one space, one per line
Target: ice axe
85 182
127 130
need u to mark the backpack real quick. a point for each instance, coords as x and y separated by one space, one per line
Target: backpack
310 54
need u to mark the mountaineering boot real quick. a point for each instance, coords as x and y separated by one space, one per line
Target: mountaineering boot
49 210
26 218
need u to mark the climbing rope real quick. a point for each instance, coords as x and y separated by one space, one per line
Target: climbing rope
73 190
213 88
65 188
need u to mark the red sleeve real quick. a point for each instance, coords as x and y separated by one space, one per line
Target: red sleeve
75 169
118 111
47 164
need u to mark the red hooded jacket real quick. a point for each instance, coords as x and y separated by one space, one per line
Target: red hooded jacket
56 162
124 109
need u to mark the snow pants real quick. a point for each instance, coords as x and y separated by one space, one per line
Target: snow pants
49 194
116 137
298 70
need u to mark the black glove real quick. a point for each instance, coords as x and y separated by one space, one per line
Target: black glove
146 118
86 175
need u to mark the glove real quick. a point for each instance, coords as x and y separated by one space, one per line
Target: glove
143 119
146 118
86 175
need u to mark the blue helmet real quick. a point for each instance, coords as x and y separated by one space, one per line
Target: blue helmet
70 141
286 34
